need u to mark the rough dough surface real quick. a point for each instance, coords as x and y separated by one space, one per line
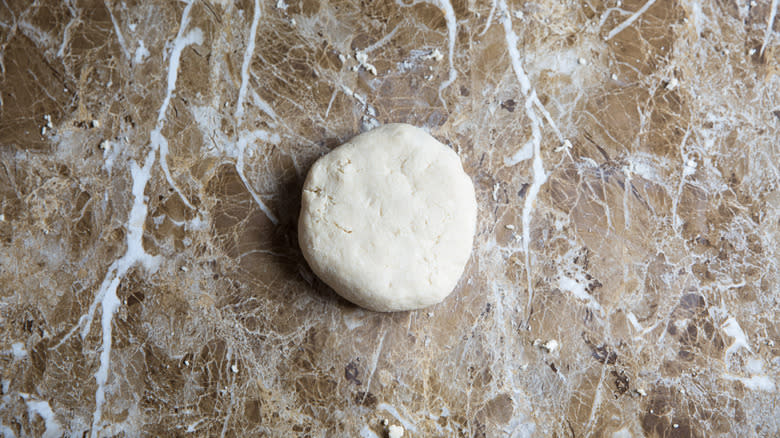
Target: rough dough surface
388 219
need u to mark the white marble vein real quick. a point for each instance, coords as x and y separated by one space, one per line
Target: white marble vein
157 139
119 37
770 22
106 296
452 29
245 137
622 26
250 48
538 172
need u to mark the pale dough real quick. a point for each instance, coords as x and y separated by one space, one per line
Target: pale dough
388 219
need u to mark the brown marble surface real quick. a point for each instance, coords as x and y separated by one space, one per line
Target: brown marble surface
624 278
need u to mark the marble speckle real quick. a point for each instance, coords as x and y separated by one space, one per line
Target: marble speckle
624 275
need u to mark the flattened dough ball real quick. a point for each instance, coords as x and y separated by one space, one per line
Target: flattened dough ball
388 219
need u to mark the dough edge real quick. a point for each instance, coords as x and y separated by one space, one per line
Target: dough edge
355 289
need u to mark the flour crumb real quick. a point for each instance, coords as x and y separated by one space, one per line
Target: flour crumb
672 84
47 124
342 58
362 58
550 346
234 368
435 55
614 77
281 4
689 168
509 227
582 61
519 14
94 124
395 431
564 147
368 123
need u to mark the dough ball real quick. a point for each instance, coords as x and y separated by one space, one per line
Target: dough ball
388 219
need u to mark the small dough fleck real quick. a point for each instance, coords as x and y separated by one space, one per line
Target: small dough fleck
388 219
395 431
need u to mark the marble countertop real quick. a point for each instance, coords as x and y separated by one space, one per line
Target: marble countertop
624 278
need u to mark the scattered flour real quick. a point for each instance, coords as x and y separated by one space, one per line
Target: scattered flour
17 349
754 383
42 409
141 53
524 153
578 290
732 329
